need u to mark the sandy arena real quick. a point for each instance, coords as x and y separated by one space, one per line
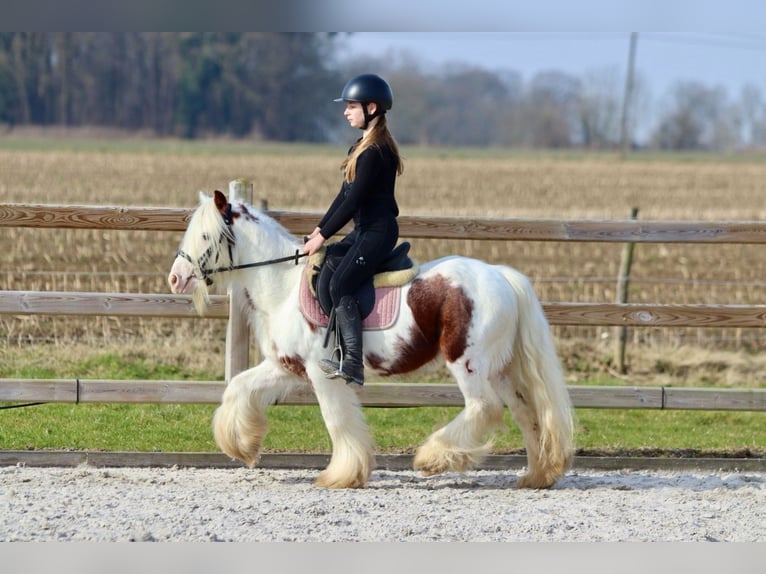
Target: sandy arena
273 505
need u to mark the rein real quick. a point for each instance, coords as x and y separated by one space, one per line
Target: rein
228 218
207 272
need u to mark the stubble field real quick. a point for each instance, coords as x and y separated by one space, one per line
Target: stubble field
467 183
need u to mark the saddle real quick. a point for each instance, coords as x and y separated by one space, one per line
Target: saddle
396 270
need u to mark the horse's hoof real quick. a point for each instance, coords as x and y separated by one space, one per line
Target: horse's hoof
426 468
534 482
324 480
429 471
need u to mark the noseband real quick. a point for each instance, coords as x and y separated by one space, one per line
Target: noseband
227 235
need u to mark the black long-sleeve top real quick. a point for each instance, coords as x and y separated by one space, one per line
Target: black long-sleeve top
369 198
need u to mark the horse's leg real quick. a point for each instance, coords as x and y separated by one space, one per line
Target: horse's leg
463 443
534 390
532 385
352 458
544 465
239 423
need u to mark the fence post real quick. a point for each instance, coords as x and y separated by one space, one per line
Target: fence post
623 280
237 329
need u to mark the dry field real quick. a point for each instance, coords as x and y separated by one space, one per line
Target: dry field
493 183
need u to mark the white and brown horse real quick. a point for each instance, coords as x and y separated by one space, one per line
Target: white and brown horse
484 321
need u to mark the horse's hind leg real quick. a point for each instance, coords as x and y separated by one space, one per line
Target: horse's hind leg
462 443
533 387
545 437
352 458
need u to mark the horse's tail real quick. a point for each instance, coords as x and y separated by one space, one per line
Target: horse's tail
538 382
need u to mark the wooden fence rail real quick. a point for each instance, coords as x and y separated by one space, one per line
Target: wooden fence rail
583 314
372 395
387 394
299 223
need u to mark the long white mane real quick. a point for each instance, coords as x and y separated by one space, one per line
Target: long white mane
253 236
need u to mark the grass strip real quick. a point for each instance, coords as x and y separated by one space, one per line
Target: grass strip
186 428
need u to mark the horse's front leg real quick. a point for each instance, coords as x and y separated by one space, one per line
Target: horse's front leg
353 457
239 423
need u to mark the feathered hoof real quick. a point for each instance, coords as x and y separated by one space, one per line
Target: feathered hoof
326 479
434 458
535 481
429 460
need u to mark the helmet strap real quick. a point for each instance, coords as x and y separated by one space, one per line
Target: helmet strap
368 117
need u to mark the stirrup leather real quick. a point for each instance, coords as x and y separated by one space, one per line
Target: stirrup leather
333 369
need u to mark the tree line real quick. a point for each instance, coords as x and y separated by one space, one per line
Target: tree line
280 86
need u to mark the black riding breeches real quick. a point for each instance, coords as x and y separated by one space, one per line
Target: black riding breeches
364 252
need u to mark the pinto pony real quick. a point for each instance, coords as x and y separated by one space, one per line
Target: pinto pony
484 321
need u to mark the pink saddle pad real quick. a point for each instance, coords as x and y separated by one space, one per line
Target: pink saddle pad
383 315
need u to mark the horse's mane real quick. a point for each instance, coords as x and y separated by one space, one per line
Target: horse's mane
254 223
256 237
266 230
206 220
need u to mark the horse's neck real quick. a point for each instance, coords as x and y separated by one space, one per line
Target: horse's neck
270 294
268 285
265 240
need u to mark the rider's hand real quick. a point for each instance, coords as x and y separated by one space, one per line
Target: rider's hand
314 243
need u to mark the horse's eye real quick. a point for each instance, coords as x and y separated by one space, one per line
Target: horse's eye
205 237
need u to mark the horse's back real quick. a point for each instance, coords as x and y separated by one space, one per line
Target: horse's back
490 290
473 275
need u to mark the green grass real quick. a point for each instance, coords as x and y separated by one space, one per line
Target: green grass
187 428
112 366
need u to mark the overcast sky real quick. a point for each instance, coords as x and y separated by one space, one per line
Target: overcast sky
730 60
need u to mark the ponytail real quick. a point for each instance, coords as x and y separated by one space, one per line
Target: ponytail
378 136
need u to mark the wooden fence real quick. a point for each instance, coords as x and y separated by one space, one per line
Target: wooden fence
383 394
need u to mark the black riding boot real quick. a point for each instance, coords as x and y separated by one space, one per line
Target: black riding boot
349 323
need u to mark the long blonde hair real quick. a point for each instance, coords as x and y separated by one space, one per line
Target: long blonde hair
379 135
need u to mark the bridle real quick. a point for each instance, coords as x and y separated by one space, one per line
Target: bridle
206 273
201 264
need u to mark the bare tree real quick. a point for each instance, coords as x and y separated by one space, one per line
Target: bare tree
599 108
551 110
698 117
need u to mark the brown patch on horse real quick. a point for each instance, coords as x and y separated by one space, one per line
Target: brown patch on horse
442 314
292 364
246 213
249 301
375 362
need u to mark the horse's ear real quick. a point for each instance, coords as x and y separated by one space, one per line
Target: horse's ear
220 201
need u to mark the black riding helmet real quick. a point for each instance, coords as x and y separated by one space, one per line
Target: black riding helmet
367 88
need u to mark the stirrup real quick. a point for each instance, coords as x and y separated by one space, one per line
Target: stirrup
331 368
334 369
